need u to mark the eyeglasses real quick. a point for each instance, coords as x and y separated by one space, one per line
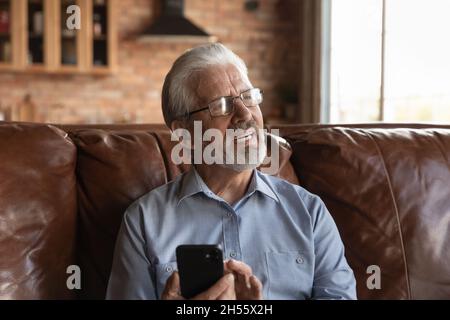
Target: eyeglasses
224 106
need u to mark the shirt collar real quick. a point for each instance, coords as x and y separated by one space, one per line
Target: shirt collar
189 185
259 184
192 183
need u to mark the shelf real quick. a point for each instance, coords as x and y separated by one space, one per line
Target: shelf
35 36
99 70
101 37
66 69
63 70
35 68
6 66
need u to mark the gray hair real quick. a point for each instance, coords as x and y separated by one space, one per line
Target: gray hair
177 97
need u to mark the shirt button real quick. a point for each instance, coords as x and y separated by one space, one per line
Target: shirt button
233 254
299 260
229 215
169 269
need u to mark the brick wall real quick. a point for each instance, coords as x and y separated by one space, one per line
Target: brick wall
267 40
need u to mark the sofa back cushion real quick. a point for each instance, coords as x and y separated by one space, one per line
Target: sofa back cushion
113 169
37 211
388 191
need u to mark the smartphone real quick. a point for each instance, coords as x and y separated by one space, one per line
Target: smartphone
199 267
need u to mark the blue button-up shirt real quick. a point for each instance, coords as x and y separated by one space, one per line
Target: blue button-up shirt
283 232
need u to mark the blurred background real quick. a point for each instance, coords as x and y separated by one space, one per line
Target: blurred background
338 61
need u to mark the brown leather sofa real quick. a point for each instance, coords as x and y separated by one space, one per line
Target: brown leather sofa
63 191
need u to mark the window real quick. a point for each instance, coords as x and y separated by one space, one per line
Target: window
399 75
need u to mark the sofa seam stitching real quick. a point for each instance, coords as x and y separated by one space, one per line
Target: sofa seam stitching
395 209
163 157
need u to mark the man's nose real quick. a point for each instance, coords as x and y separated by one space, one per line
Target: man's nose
241 112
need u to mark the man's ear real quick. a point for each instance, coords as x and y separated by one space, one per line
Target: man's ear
186 141
179 124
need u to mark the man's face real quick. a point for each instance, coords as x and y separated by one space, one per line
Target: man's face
220 81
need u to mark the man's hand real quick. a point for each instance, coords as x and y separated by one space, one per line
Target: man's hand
247 285
221 290
237 283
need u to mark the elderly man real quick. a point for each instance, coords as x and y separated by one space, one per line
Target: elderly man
278 239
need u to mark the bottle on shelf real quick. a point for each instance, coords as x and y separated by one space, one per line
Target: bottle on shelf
69 54
4 21
5 54
2 113
38 23
5 113
26 109
30 57
97 25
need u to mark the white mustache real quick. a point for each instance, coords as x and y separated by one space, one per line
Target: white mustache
244 134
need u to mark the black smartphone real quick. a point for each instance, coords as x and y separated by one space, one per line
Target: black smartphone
199 267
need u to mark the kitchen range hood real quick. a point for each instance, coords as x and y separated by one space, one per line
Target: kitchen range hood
173 26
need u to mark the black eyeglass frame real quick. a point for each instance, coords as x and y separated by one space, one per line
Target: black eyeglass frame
226 97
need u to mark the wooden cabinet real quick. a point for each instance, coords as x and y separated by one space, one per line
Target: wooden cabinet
35 36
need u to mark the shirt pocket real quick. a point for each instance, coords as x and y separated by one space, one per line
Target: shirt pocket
290 275
163 272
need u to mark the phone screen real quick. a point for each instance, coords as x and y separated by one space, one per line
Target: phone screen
199 266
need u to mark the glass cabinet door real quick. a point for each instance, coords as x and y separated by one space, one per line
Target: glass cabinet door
100 33
68 37
36 26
